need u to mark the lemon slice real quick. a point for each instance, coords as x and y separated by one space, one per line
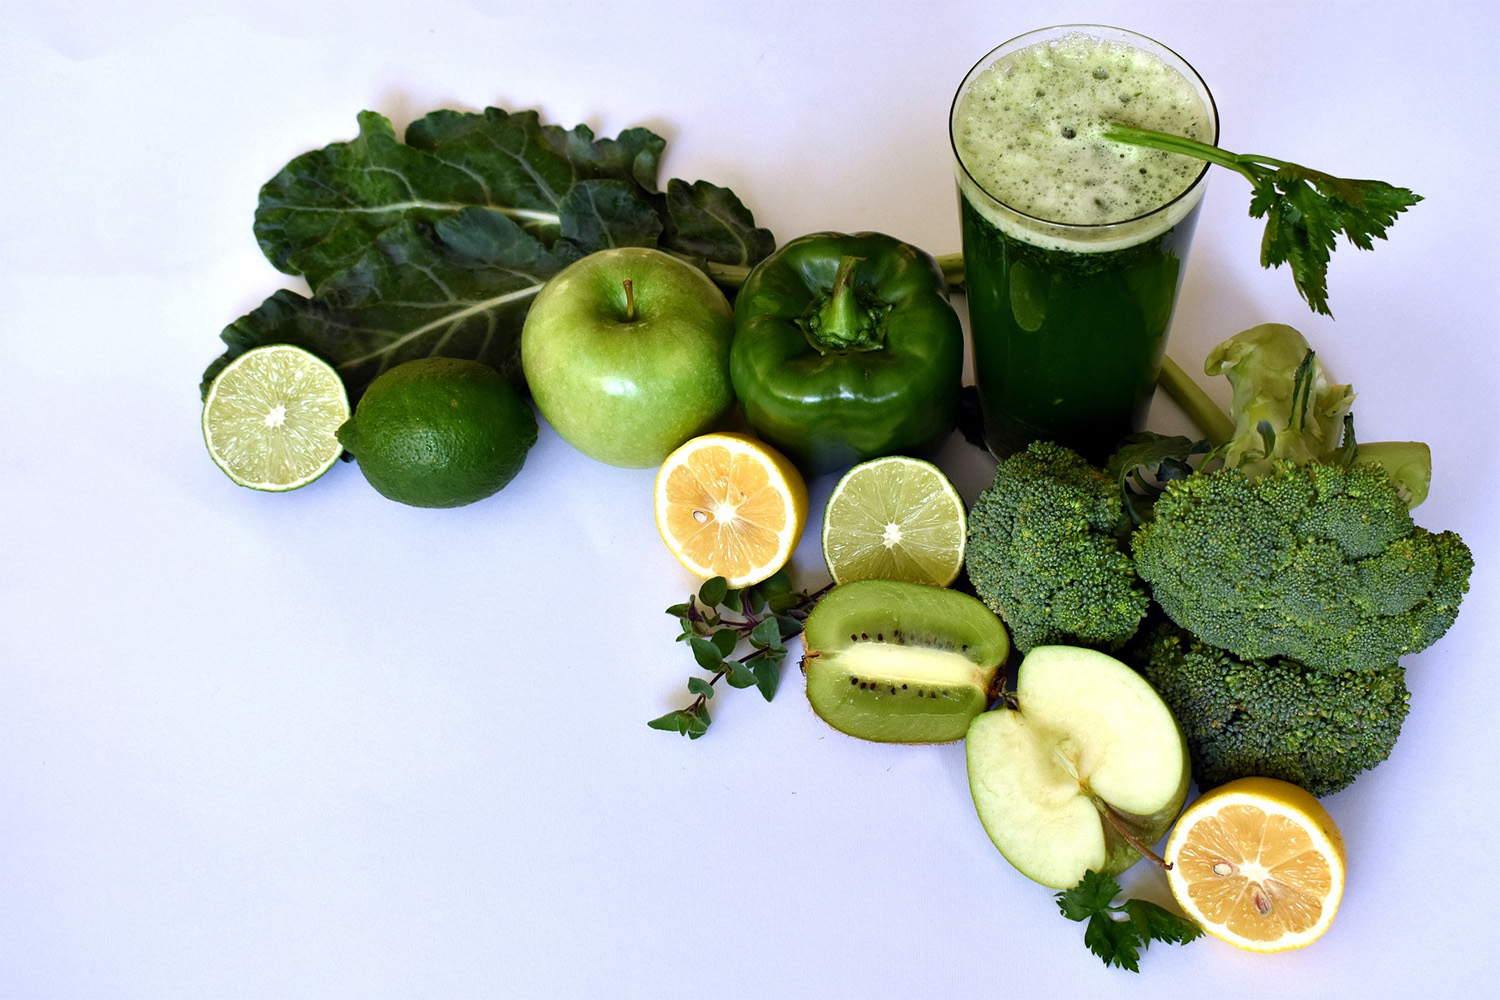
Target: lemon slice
728 505
271 415
1258 863
894 518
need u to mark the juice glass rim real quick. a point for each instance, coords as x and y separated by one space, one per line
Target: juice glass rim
1103 32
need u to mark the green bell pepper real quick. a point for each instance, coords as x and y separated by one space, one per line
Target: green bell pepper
846 348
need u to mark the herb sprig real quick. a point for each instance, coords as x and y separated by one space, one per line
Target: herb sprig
716 622
1305 210
1118 933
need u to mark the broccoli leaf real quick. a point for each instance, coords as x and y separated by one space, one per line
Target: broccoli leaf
1144 463
437 245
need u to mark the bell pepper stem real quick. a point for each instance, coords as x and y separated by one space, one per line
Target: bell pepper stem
842 323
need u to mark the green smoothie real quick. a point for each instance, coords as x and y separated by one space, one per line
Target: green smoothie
1073 245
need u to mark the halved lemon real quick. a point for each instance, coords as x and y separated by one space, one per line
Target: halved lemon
894 518
727 505
271 416
1258 863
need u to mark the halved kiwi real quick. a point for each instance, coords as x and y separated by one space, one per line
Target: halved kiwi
898 662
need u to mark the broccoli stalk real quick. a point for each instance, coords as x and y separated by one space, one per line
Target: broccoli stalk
1285 408
1200 409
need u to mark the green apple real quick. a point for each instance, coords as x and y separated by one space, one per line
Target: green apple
1080 759
626 353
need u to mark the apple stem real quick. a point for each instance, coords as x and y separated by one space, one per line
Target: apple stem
629 300
1118 822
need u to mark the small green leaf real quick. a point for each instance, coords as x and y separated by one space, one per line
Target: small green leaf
734 601
1150 450
724 641
789 626
1093 893
671 722
767 633
789 602
767 675
775 585
679 610
713 591
1118 934
1267 436
699 687
1157 923
706 653
689 722
740 675
1117 942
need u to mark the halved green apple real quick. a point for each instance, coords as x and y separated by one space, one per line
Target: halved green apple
1081 759
899 662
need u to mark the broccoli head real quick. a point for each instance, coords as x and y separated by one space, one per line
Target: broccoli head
1047 551
1318 561
1273 718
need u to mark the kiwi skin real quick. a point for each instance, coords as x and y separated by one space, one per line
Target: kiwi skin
897 662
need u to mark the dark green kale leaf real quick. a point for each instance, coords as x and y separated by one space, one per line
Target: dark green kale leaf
437 245
459 288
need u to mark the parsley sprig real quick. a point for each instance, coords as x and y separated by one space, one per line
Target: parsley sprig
1118 933
1305 210
716 622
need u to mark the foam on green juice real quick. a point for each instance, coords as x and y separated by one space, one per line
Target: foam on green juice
1028 132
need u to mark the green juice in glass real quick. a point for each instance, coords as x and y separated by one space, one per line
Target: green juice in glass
1073 245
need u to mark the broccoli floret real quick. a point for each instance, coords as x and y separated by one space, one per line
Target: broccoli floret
1047 551
1274 718
1318 562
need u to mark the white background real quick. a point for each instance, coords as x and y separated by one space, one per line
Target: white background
324 745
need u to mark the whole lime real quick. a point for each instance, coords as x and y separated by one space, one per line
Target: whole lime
440 432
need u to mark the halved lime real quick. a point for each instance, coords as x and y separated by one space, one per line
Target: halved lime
271 415
894 518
